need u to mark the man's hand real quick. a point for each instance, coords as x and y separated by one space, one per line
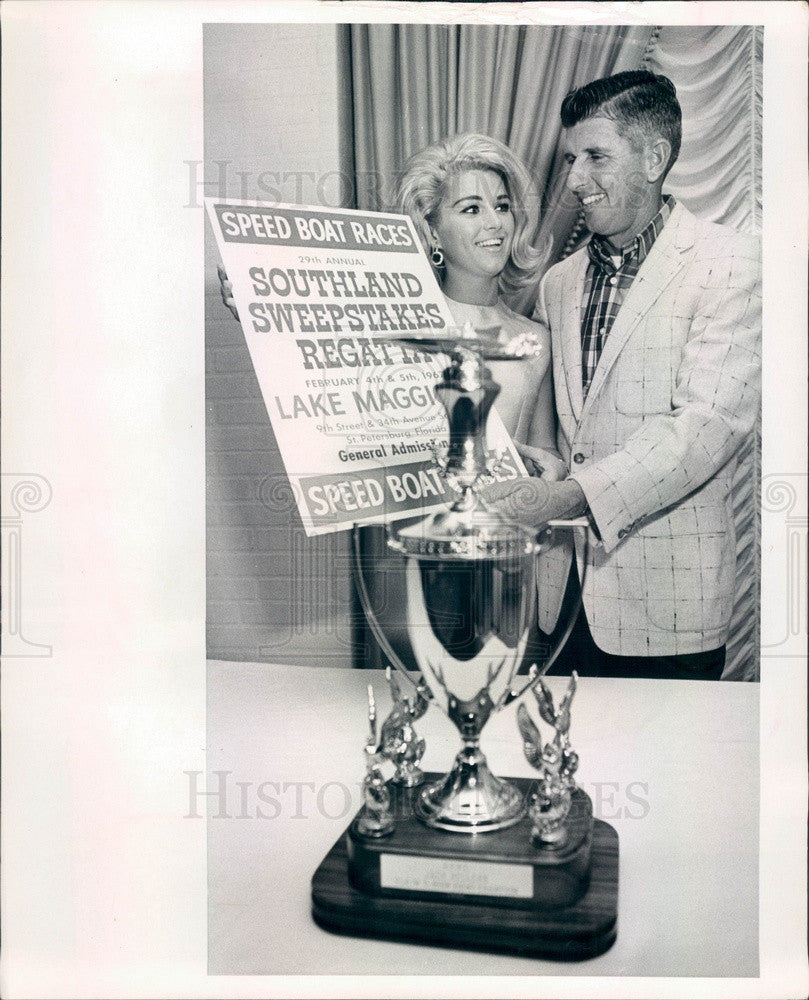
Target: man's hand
536 501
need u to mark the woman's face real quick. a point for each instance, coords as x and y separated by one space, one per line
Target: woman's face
474 224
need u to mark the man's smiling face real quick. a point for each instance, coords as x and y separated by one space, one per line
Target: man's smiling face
614 178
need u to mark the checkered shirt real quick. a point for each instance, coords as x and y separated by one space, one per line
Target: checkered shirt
606 285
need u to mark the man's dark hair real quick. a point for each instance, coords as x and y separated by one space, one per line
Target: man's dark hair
637 101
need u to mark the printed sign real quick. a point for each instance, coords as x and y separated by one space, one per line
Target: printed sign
321 293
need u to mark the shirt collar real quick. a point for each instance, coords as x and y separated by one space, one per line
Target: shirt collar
599 246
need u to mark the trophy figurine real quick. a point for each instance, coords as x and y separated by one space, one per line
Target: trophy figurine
400 743
375 819
475 859
557 762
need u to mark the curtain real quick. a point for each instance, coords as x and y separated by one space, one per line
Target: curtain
717 73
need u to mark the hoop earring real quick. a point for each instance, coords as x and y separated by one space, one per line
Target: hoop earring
437 256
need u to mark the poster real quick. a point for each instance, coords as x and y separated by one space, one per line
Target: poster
321 294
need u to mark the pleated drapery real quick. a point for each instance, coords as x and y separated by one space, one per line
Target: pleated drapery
717 72
415 84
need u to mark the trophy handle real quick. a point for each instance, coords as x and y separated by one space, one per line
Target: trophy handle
370 616
535 673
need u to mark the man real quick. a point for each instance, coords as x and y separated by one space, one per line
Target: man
656 331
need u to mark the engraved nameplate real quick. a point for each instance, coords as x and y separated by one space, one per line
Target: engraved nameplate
450 875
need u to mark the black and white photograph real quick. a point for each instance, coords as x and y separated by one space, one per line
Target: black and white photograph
659 445
413 598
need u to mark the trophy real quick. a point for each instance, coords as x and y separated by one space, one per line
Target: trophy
375 819
474 859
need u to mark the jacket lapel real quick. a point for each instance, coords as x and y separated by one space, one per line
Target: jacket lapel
569 303
665 259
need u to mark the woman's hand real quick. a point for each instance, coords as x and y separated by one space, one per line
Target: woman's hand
226 288
541 462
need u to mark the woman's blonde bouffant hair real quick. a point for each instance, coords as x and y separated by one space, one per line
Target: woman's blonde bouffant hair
422 185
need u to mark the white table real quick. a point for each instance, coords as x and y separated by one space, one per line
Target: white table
673 766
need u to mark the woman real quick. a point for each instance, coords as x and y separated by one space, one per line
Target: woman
469 197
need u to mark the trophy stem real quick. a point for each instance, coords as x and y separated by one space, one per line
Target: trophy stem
470 799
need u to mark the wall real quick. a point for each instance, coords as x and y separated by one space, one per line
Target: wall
273 108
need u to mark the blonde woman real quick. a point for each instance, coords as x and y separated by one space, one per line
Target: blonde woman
470 199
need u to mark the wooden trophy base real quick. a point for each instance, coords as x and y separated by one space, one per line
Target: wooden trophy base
487 891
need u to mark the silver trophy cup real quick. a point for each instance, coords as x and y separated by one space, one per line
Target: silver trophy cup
470 592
